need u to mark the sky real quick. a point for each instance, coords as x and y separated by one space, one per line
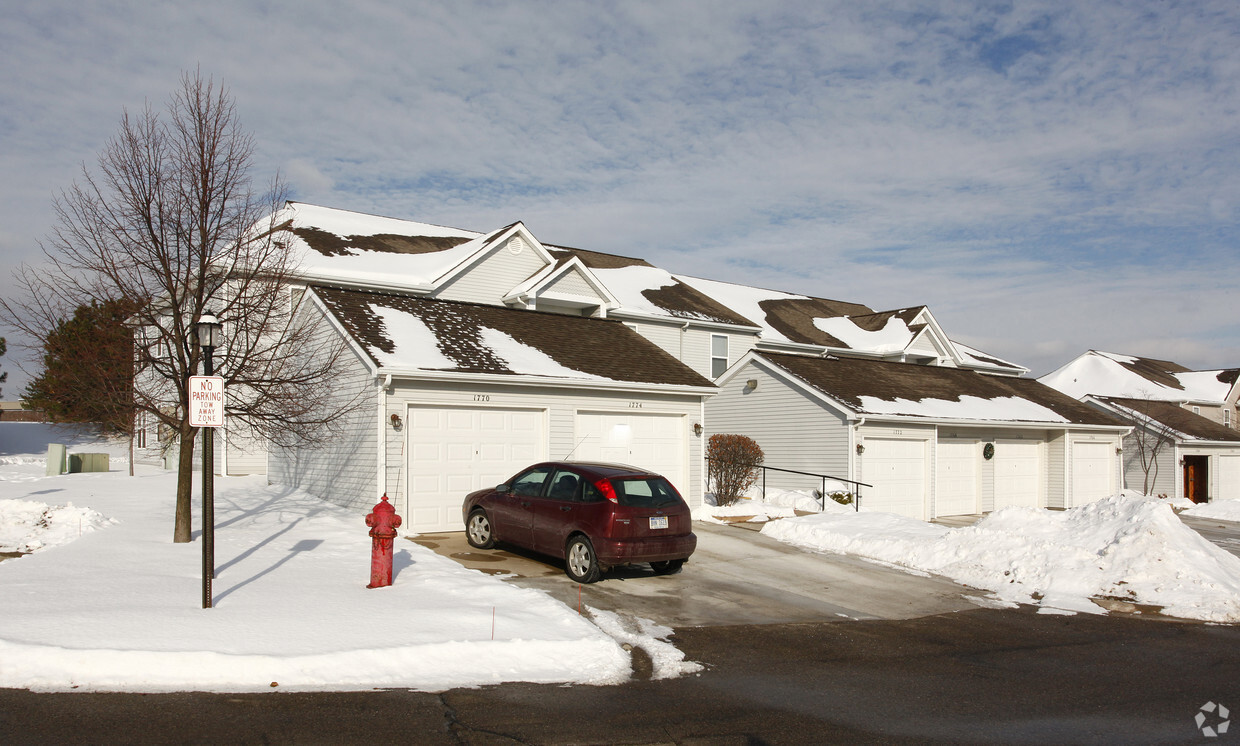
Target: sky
1047 177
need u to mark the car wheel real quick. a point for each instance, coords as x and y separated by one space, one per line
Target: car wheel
580 562
478 530
667 567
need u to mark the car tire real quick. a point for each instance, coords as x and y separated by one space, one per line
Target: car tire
580 562
478 530
667 567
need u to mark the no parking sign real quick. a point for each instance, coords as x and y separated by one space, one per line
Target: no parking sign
206 401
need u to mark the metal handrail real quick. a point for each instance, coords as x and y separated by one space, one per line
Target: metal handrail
824 477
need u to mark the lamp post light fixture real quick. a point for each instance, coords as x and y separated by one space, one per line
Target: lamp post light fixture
209 332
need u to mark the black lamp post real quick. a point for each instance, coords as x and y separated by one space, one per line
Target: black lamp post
209 331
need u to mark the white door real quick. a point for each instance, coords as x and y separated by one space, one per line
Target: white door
1018 470
456 450
1093 470
897 470
956 485
1229 477
655 442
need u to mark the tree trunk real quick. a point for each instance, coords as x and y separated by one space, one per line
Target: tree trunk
181 531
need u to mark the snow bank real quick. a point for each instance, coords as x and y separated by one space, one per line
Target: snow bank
120 607
1135 550
778 504
29 525
1221 510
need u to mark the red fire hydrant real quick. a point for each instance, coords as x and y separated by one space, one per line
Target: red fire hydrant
383 523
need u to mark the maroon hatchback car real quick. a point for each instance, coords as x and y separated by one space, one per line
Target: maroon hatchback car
593 516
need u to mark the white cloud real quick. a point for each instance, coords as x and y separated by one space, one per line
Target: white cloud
1042 175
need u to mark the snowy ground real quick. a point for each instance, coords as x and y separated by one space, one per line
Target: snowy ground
1127 552
107 602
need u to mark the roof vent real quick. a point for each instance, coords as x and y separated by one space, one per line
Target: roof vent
516 245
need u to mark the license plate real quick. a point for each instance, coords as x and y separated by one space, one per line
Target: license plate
658 521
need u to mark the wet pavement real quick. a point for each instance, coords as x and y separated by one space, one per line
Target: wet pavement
736 576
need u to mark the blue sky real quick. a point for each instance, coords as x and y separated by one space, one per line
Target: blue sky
1047 177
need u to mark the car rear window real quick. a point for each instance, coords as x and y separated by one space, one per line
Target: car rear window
647 492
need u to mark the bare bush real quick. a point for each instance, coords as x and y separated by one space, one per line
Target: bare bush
732 466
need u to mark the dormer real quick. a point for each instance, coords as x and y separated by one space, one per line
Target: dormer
565 287
492 263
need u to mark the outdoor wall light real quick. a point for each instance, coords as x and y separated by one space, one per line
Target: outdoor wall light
396 422
697 428
860 449
751 384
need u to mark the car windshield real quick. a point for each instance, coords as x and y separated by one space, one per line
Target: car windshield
645 492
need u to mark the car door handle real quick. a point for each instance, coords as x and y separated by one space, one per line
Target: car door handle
524 504
566 508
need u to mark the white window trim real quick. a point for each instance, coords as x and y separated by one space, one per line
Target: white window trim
713 357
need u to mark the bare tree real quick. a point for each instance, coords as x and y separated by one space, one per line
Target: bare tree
170 221
1149 435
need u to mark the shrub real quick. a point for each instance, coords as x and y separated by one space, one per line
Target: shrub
843 498
732 467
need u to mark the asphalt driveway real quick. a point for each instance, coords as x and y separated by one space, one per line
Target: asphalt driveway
736 576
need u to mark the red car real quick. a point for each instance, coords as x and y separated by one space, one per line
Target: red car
594 516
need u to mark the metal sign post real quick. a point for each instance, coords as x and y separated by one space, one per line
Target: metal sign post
206 410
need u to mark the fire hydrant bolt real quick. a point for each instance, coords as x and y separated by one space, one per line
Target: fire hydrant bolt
383 523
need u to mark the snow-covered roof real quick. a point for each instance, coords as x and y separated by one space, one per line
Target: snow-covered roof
409 334
1186 425
369 250
878 388
340 247
1111 374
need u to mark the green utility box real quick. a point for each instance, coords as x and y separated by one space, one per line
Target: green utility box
57 460
84 462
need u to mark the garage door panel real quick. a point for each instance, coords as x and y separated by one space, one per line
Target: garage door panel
1092 472
1229 477
650 441
456 450
956 491
897 471
1017 468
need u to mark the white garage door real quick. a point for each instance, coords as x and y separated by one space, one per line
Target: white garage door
456 450
1018 470
1092 472
956 486
651 441
897 469
1229 477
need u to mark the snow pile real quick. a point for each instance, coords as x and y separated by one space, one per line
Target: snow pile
29 525
668 662
1220 510
778 504
120 609
1134 550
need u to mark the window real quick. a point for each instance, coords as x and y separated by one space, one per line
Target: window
718 354
530 484
1196 410
1226 418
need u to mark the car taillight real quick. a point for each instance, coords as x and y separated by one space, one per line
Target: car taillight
608 491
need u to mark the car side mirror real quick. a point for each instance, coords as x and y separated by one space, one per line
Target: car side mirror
502 488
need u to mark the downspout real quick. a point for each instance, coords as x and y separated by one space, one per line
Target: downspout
381 476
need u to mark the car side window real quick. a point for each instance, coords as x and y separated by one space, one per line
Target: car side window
530 484
565 486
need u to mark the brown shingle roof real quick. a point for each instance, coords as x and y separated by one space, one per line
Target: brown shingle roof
329 244
1177 418
794 318
847 380
1158 371
595 347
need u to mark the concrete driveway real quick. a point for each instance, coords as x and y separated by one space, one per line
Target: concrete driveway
736 576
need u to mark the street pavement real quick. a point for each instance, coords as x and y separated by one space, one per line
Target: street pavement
984 676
